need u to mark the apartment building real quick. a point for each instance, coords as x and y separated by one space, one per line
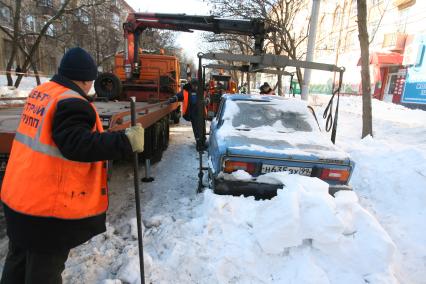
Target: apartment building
397 36
397 46
95 28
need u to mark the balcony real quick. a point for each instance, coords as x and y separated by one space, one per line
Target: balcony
5 15
394 42
46 7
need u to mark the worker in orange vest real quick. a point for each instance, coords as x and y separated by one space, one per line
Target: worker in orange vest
54 190
188 97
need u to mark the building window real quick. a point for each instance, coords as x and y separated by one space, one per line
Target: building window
51 30
5 14
83 16
30 23
116 21
45 3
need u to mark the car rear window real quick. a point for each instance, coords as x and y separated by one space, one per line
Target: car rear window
246 115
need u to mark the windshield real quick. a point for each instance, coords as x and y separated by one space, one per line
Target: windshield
282 116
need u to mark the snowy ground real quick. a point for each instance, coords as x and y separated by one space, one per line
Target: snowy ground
301 236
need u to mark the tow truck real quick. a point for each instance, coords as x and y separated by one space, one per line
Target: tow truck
218 85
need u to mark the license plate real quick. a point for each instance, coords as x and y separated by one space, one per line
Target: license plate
291 170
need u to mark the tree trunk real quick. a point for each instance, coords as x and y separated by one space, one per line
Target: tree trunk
37 77
16 20
367 120
42 33
248 83
280 85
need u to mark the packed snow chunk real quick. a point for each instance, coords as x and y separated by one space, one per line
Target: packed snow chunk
364 246
129 271
111 281
134 228
277 225
239 175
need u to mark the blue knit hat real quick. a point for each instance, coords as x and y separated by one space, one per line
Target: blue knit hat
78 65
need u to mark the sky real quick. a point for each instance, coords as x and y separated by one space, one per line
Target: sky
188 41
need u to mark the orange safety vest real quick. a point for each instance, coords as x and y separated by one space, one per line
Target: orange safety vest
185 103
39 180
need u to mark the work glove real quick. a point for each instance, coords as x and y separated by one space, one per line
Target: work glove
135 134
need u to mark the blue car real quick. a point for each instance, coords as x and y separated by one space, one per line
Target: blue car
253 135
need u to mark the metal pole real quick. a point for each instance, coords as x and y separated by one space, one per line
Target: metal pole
137 195
311 46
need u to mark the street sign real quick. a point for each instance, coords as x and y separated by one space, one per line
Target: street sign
415 83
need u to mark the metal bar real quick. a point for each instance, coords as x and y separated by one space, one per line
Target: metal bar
271 60
137 195
245 68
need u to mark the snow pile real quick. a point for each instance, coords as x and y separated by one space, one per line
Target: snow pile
390 175
27 84
391 181
301 236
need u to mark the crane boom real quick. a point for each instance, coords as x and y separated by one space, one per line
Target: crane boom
136 23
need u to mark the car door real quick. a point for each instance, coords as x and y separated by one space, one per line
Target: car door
213 150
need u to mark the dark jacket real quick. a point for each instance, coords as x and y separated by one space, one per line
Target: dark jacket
72 124
191 114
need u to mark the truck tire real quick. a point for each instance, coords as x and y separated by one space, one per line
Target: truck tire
167 133
109 167
157 138
175 115
107 85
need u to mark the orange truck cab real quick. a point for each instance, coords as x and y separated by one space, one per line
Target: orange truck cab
218 85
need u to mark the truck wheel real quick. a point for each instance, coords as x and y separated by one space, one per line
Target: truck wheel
157 151
163 131
107 85
176 116
148 149
109 167
167 133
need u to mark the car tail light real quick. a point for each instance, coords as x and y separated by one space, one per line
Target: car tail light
232 166
334 174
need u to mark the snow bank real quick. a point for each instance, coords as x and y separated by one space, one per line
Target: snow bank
303 235
390 176
27 84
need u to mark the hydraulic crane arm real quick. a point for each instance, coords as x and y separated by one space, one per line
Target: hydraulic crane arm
137 22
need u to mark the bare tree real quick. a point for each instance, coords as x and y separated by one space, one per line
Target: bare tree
14 37
28 42
367 120
280 15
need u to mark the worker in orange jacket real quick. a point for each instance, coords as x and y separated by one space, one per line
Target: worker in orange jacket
54 191
188 97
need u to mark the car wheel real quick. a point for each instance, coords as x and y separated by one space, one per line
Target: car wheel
211 181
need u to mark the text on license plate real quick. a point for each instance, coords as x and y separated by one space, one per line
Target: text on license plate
291 170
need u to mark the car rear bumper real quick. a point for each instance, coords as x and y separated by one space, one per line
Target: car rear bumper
258 190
